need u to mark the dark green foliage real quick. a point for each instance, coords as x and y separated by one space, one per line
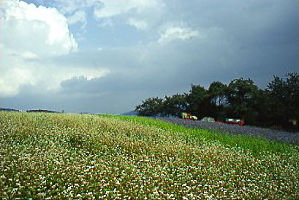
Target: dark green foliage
217 91
241 98
259 111
241 95
174 105
199 101
150 107
283 104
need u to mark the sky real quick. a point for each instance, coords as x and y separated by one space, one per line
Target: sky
106 56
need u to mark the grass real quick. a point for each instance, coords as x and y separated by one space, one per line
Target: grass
255 145
64 156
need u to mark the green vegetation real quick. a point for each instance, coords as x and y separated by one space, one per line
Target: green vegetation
276 106
254 145
64 156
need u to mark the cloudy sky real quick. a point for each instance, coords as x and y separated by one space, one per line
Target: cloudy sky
106 56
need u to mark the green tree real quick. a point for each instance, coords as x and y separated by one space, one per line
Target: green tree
217 92
241 96
199 102
283 104
175 105
150 107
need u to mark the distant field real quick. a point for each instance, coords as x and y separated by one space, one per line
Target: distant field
68 156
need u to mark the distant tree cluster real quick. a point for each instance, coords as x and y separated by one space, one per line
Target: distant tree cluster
276 106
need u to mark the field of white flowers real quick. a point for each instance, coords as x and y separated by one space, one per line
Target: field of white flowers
64 156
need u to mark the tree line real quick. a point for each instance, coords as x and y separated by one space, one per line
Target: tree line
276 106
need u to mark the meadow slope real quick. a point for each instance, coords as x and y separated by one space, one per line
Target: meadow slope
58 156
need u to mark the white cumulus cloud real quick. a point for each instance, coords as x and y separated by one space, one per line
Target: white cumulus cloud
175 32
139 24
30 36
136 13
78 16
110 8
139 14
40 30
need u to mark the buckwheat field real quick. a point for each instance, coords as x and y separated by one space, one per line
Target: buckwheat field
72 156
